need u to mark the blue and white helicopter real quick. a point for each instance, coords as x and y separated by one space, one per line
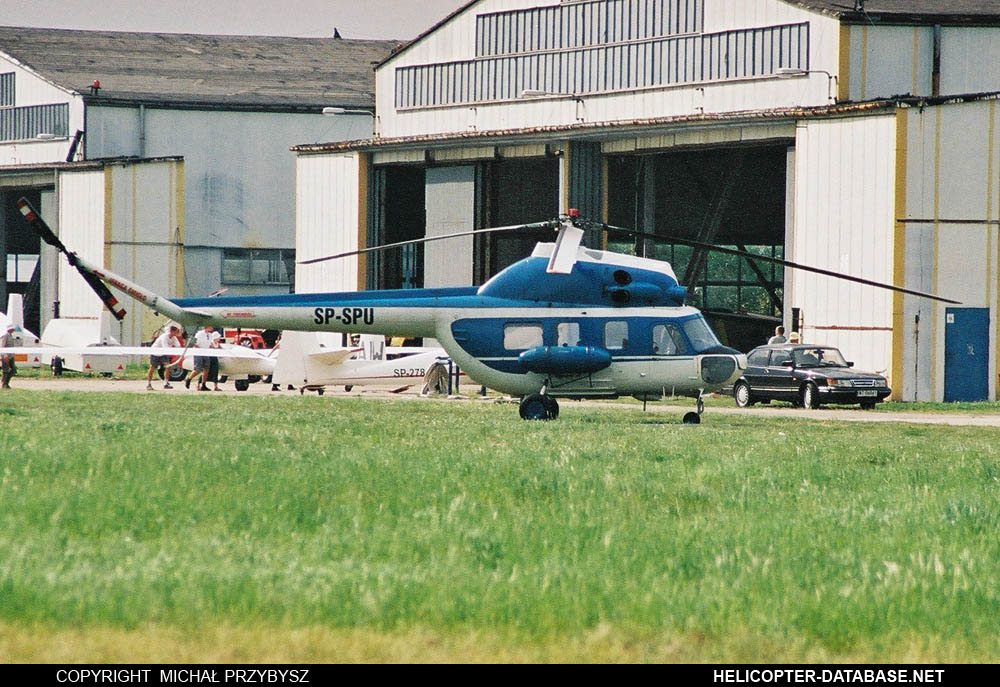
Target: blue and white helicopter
567 321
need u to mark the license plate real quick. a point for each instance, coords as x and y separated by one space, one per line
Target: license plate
866 394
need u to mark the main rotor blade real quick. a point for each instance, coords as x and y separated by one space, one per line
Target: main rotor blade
38 225
776 261
549 224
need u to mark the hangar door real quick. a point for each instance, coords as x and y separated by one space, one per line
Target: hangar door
450 200
728 196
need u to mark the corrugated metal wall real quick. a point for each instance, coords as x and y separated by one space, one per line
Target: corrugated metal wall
128 218
950 171
647 77
844 221
144 237
327 215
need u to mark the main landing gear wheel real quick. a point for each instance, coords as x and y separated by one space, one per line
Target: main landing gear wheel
741 393
242 384
538 407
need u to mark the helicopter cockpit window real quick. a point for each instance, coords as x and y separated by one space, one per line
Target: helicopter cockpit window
616 335
567 334
667 340
699 334
520 337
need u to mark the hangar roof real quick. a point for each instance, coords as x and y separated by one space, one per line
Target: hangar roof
225 71
906 10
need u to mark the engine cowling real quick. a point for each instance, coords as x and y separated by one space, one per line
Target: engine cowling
564 360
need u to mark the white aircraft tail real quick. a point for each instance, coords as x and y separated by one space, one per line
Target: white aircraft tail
15 310
301 358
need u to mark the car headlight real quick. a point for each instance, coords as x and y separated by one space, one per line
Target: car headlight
832 382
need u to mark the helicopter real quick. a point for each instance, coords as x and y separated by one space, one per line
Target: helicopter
565 322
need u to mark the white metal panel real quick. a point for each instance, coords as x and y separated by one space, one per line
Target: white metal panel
970 60
326 221
952 173
145 236
450 203
81 226
456 41
889 60
844 221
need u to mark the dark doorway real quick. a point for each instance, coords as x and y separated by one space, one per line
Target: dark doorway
21 257
732 197
519 191
401 218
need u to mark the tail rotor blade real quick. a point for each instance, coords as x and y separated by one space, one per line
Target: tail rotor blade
43 230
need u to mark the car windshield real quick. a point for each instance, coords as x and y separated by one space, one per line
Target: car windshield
818 357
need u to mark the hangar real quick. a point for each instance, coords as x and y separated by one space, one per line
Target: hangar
164 157
859 136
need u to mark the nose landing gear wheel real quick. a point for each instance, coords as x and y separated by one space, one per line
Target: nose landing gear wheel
695 417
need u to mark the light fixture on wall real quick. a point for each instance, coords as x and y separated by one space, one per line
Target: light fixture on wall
792 72
535 93
335 111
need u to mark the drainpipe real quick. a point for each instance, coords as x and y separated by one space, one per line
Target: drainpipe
936 67
142 131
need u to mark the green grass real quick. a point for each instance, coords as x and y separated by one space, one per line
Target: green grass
745 538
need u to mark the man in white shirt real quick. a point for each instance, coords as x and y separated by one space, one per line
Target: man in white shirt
779 336
206 337
168 339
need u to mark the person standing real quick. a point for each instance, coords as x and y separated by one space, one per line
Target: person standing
779 336
10 340
168 339
204 338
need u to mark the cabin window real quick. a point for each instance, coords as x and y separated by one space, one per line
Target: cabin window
616 335
519 337
699 334
667 340
758 358
567 334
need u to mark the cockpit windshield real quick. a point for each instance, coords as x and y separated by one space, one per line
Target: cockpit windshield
700 334
818 357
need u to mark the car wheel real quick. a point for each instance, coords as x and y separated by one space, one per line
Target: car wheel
868 405
810 396
741 393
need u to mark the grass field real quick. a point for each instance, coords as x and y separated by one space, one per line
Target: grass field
186 528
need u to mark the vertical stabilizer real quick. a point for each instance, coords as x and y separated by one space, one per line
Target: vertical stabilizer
15 310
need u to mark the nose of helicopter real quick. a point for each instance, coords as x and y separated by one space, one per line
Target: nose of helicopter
722 365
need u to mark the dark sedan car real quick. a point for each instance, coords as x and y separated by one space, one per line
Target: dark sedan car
806 376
